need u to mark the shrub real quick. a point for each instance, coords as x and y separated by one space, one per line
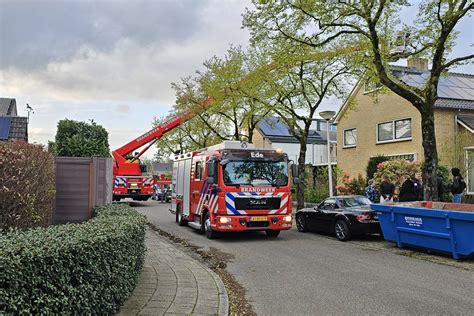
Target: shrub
396 169
348 186
81 139
373 163
316 184
87 268
26 185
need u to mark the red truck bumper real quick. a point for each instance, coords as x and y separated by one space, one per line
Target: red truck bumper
251 222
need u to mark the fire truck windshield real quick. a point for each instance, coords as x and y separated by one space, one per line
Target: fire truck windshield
256 173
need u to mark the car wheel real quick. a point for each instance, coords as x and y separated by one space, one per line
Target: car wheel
342 230
301 223
179 216
272 233
210 233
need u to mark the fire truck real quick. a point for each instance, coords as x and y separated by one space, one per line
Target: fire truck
233 187
130 179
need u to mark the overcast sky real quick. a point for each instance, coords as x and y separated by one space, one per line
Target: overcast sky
113 61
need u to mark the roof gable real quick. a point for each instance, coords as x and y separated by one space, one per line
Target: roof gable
455 90
8 107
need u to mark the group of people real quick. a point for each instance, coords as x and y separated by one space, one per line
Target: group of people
160 193
412 188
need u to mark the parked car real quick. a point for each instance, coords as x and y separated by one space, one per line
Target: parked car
344 216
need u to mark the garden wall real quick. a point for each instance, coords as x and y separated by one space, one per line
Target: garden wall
81 184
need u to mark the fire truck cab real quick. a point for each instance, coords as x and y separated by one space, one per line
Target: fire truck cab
232 187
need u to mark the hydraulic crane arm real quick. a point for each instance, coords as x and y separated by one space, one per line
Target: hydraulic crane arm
150 137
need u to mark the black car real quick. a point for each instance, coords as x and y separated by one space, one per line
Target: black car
343 215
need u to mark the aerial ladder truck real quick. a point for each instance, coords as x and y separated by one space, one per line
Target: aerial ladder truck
130 179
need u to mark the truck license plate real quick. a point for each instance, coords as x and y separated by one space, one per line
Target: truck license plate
258 218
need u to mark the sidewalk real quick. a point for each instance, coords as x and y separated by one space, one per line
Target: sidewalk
173 283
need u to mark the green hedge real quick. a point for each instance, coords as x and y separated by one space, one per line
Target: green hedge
87 268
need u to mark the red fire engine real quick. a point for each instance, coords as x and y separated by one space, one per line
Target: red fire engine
128 171
233 187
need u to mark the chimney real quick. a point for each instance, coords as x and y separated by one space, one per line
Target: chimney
417 63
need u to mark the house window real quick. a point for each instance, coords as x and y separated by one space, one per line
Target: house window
323 126
470 170
394 131
409 157
198 171
350 137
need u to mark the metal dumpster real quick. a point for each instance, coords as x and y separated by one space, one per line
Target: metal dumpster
438 228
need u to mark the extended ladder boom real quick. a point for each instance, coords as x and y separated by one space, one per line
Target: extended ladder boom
150 137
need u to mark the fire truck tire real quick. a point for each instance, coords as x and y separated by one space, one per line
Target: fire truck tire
210 233
272 233
179 216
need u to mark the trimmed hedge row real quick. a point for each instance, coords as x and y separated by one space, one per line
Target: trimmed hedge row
87 268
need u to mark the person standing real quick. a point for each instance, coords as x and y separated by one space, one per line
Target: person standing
371 191
387 190
410 190
458 186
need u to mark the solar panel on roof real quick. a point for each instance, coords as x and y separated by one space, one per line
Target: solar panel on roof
467 83
5 123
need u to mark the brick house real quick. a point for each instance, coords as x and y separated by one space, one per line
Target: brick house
12 126
372 122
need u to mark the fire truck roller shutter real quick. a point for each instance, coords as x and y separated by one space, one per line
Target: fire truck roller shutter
173 186
187 185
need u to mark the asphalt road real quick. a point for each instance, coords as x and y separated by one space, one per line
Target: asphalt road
308 274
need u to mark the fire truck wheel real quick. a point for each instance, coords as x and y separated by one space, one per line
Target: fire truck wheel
179 216
272 233
210 233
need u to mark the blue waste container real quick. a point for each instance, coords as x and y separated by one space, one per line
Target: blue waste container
438 230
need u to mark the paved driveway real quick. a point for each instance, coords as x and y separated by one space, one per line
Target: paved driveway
303 274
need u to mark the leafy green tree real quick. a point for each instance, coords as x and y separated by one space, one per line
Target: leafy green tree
81 139
370 27
51 147
291 81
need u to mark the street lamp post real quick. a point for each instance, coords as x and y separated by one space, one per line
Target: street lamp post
328 115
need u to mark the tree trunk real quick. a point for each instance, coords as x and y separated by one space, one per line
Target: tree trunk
301 173
431 154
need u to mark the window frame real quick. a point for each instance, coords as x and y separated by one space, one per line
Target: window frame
344 138
198 170
394 132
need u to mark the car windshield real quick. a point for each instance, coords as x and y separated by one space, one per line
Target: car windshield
257 173
354 201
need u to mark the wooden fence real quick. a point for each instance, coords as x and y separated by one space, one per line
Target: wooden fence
81 184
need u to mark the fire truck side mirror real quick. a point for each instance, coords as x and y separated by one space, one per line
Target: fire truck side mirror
211 171
294 174
210 180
